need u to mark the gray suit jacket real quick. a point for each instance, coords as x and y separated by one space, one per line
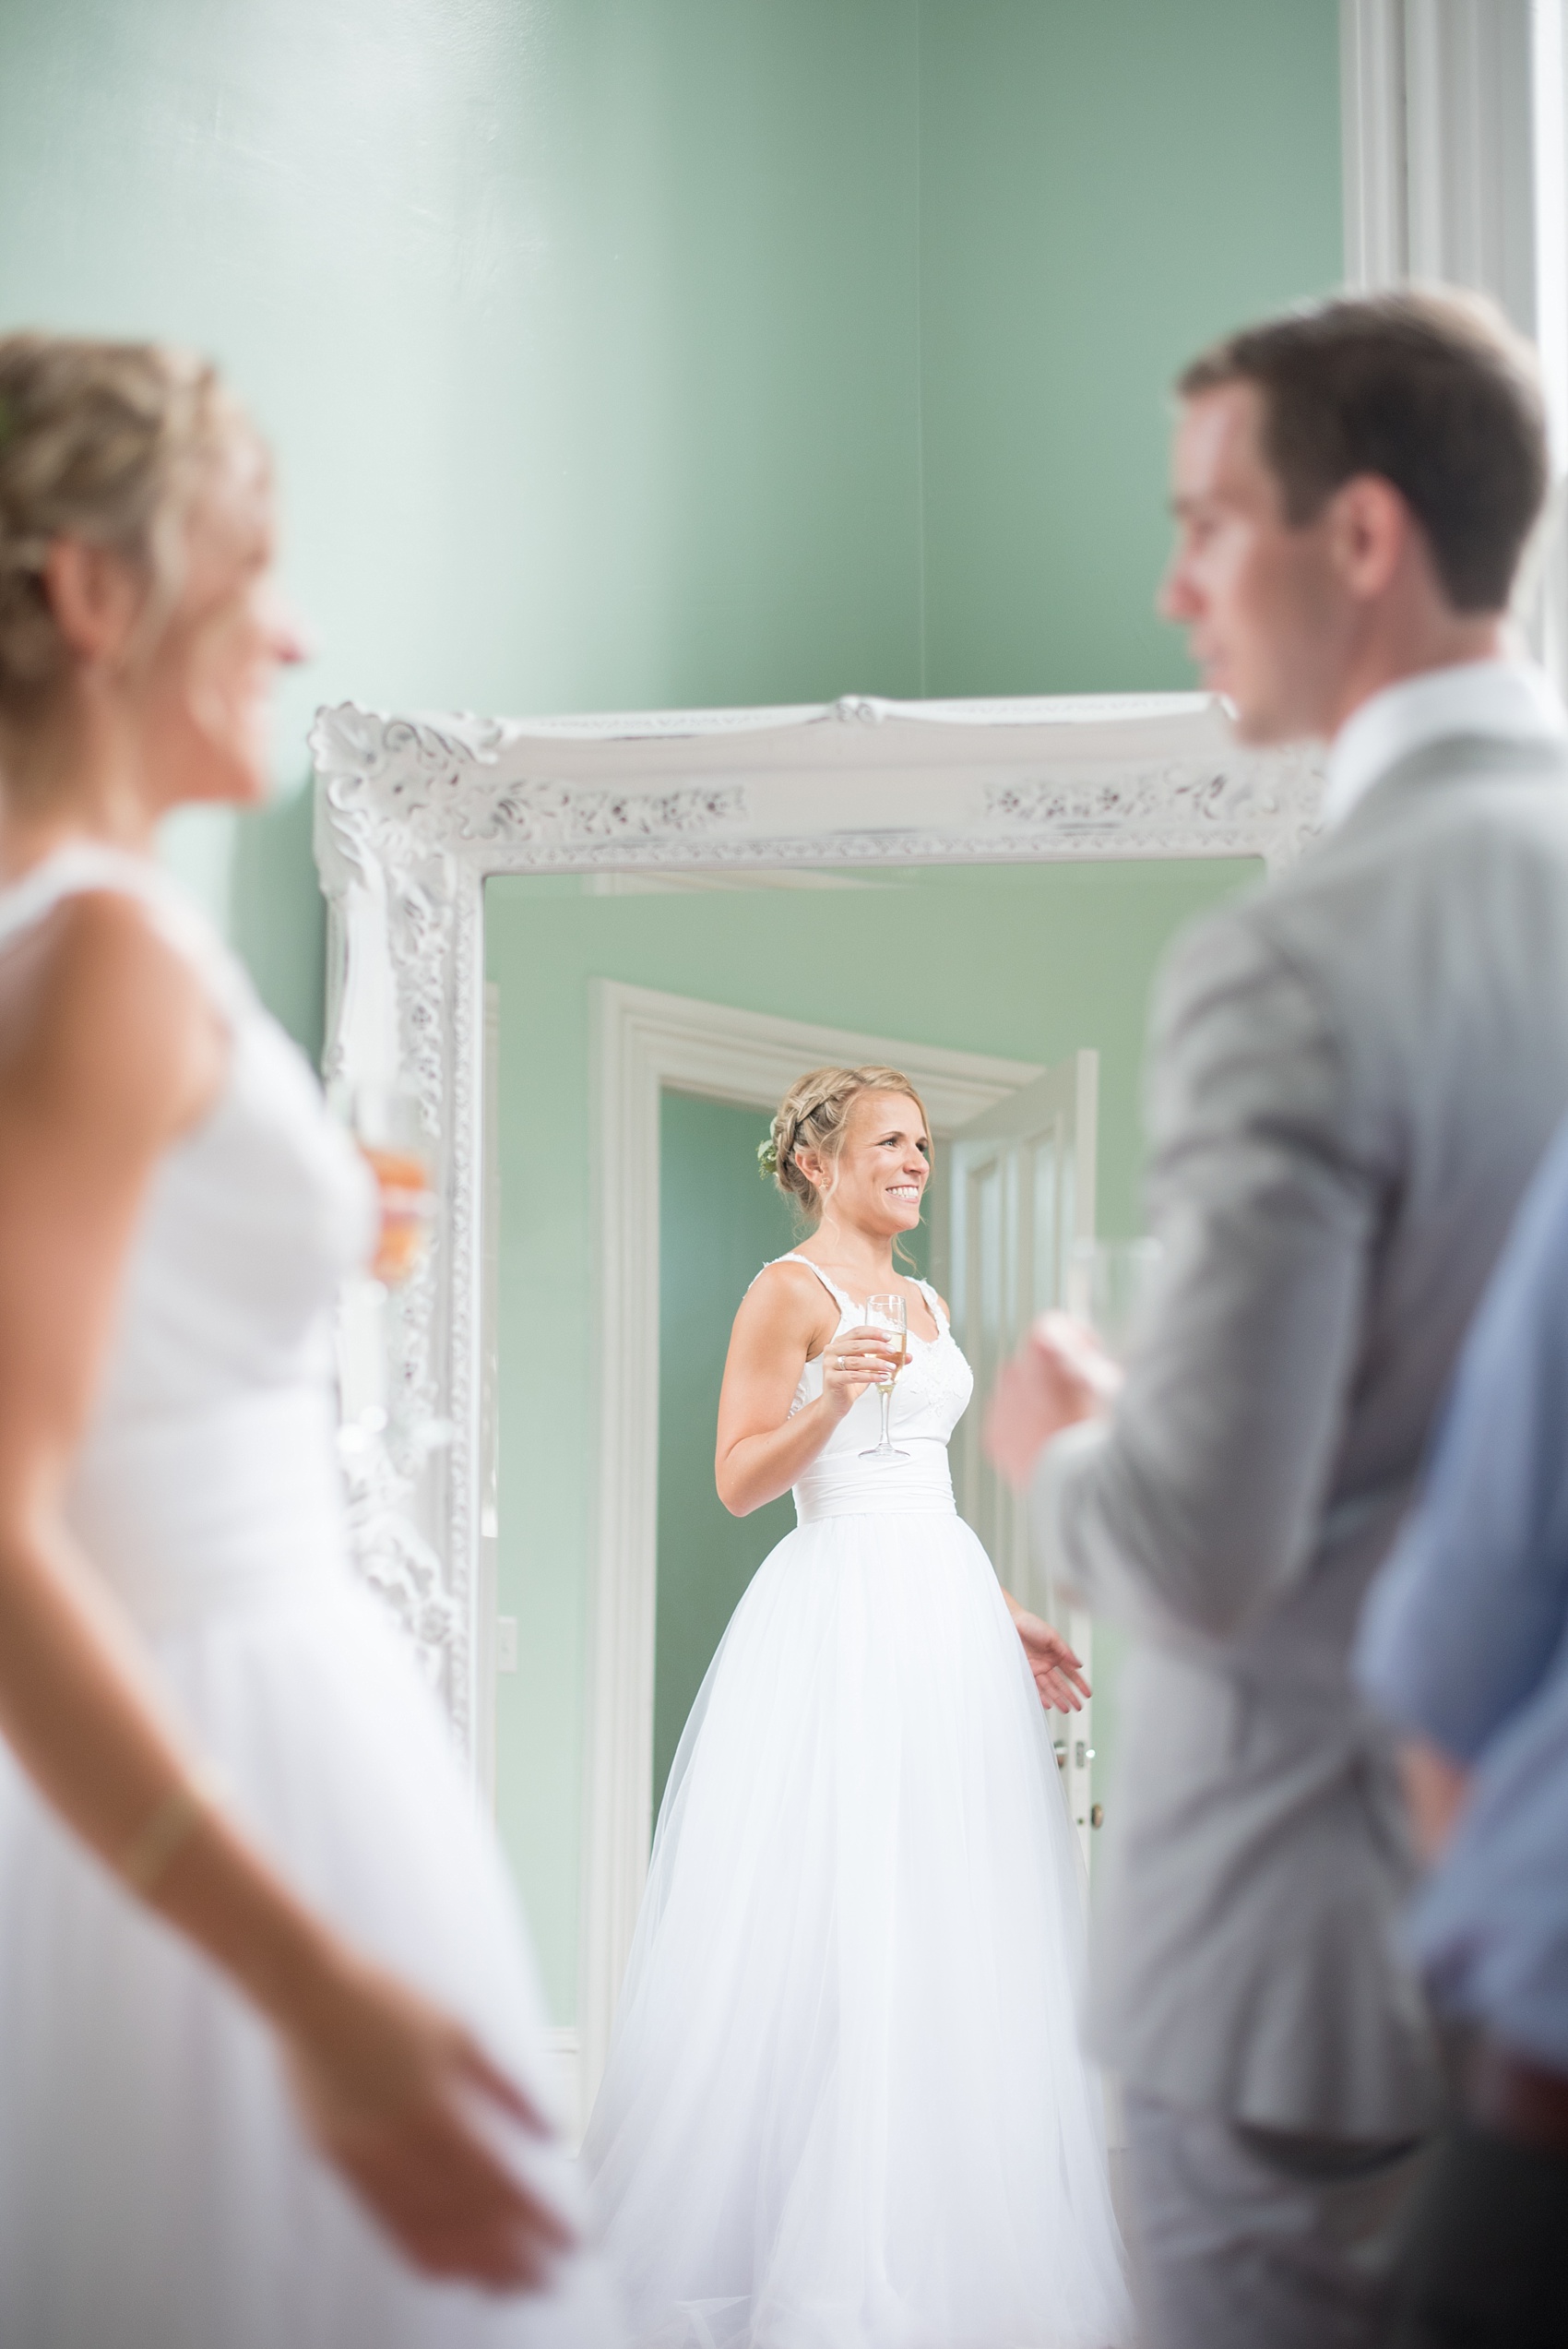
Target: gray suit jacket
1353 1073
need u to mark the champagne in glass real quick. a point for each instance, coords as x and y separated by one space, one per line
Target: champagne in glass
387 1126
889 1315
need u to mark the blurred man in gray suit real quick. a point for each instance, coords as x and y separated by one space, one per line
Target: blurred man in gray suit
1354 1071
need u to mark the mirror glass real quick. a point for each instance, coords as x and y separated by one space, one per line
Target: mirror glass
1028 963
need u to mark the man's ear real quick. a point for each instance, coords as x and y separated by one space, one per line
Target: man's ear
1370 529
95 596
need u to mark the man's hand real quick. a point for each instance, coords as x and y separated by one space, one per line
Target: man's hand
1057 1673
1435 1788
1060 1375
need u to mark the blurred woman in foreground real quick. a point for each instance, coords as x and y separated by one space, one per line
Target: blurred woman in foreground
267 2023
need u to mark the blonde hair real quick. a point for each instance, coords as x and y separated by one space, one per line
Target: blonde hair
106 442
814 1116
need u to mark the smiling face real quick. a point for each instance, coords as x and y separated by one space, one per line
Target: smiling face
878 1179
1268 620
206 693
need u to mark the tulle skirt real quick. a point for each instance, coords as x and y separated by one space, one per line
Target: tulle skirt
156 2191
844 2105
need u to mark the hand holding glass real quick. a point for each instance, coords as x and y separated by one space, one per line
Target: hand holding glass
889 1315
387 1124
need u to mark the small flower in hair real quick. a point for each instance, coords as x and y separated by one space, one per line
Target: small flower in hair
767 1159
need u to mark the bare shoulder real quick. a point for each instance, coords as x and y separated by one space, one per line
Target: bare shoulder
786 1301
100 1012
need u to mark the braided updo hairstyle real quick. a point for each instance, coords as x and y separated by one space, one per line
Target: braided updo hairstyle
107 442
814 1116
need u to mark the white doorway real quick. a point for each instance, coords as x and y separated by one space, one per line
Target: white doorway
1021 1194
1016 1151
645 1042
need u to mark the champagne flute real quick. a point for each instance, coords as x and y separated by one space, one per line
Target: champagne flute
1109 1286
890 1315
381 1395
386 1122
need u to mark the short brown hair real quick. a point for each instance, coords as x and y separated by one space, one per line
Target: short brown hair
1433 391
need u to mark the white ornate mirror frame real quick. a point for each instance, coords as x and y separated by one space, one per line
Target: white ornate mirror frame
413 815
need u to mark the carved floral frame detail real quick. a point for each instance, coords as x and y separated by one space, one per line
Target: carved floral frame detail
414 813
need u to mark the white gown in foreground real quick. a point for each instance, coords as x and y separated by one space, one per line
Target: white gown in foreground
844 2105
156 2191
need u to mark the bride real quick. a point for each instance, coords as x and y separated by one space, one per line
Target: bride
270 2046
845 2107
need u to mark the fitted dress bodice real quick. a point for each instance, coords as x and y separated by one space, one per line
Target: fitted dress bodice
929 1397
156 2189
209 1471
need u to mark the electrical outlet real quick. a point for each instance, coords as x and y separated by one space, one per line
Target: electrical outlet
505 1643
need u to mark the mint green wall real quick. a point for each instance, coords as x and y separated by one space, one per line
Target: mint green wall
1105 185
620 355
719 1224
586 332
721 351
1027 961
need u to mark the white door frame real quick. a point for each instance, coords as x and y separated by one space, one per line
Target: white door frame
1453 117
644 1042
1065 1100
1440 134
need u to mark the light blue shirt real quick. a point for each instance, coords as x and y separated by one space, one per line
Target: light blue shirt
1464 1641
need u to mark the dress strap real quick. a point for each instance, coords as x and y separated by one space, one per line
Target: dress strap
942 1324
841 1298
846 1302
68 872
86 866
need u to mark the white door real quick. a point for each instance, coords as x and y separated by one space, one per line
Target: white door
1022 1191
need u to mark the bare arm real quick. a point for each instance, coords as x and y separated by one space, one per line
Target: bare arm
109 1051
1058 1672
786 1319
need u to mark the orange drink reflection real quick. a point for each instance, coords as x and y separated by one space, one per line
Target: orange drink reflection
407 1208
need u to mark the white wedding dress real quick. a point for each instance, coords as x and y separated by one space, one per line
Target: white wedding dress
844 2105
155 2190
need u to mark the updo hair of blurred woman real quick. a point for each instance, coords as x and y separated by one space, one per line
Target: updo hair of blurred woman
108 443
814 1116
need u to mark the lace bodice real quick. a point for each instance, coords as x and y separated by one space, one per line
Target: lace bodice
931 1397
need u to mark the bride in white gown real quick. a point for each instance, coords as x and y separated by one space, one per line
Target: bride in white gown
845 2107
269 2055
